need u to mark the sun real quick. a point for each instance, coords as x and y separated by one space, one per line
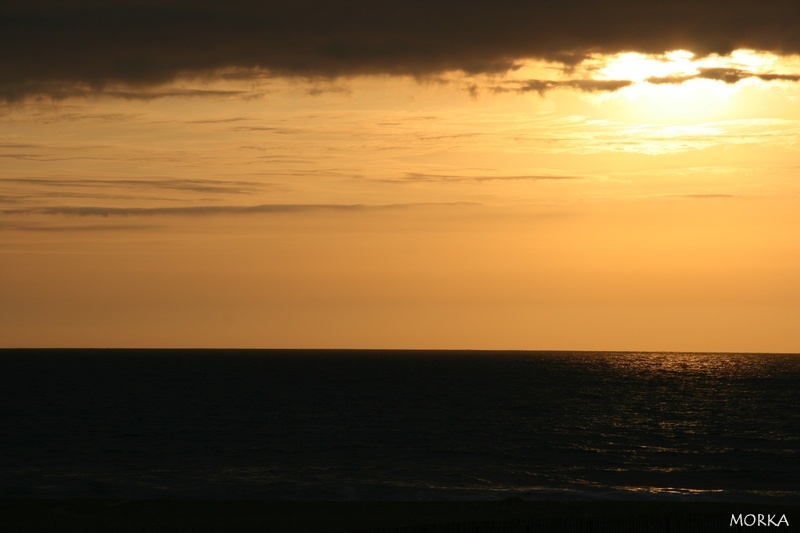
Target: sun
638 67
677 86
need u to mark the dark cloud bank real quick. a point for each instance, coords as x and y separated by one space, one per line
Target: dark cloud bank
59 48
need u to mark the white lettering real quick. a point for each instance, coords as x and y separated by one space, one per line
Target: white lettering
751 520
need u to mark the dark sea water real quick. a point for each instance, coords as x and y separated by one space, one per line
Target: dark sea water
380 425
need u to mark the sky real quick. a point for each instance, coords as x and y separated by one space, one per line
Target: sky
505 174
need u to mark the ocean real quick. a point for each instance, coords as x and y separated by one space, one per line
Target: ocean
339 425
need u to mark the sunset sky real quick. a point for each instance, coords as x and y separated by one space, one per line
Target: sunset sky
472 174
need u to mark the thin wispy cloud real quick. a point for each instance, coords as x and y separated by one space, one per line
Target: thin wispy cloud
270 129
726 75
417 177
585 136
60 90
544 86
218 120
90 228
706 196
210 210
195 185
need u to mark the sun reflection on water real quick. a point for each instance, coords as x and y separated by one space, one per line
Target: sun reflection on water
710 365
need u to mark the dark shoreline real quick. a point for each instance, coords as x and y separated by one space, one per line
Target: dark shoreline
153 516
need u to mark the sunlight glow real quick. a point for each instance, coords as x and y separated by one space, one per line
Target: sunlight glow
625 202
693 99
677 86
639 67
675 64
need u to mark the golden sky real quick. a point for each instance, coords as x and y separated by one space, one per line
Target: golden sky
619 201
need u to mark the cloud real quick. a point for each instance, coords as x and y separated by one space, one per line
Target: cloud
33 191
129 48
705 196
194 185
726 75
81 228
217 121
79 88
418 177
778 77
543 86
206 210
272 129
